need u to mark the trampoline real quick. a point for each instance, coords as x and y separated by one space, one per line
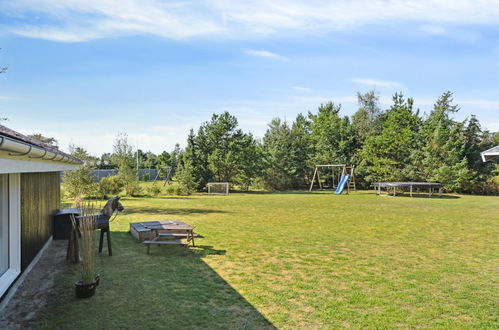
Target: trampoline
431 186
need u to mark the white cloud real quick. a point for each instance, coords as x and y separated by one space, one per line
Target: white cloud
301 89
377 83
80 20
264 53
55 34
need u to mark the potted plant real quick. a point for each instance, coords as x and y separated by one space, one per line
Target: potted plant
86 224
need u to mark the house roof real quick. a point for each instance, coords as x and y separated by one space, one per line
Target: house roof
23 138
490 153
49 152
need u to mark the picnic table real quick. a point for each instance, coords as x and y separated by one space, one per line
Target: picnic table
163 232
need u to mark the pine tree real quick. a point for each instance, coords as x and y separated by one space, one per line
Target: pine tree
279 173
444 150
332 137
387 154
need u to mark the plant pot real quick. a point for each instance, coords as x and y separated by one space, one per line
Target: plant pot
83 290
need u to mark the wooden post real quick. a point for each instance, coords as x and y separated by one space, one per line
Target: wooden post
313 179
73 252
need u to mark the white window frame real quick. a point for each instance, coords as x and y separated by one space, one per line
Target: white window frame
14 270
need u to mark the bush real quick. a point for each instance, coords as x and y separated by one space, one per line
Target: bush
177 189
132 188
170 189
182 190
78 182
146 177
111 185
153 190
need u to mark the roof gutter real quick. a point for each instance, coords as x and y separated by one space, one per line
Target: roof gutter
17 148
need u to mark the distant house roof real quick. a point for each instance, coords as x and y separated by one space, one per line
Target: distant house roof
490 153
11 140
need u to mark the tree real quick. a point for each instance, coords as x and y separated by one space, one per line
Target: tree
106 161
188 170
50 141
220 151
221 140
300 150
251 162
175 156
443 151
124 159
332 137
387 155
366 121
279 173
80 182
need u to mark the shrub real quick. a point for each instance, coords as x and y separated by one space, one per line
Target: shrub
78 182
111 185
170 189
146 177
132 188
153 190
182 190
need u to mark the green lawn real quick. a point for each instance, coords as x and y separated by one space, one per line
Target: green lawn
299 260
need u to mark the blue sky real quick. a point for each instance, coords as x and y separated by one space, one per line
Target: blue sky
84 70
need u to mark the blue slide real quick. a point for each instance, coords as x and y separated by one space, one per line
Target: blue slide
341 185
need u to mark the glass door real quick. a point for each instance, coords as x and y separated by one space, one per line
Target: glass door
4 223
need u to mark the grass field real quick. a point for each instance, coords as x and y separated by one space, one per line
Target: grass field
299 260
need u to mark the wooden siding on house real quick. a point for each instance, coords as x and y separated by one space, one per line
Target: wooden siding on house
40 198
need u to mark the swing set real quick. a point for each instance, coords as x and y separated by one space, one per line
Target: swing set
167 170
338 171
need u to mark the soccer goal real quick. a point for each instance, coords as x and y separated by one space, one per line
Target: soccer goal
218 188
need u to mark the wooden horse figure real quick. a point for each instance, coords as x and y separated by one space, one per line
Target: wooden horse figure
103 220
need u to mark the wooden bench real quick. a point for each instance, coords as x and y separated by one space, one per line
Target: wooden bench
182 235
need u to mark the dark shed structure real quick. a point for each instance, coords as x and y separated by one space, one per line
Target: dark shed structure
29 196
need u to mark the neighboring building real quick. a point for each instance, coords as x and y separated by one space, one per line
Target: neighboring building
29 195
492 153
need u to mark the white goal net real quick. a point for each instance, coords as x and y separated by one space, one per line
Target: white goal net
218 188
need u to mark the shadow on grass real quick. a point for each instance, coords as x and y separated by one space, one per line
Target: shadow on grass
294 192
168 211
172 287
421 195
169 197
